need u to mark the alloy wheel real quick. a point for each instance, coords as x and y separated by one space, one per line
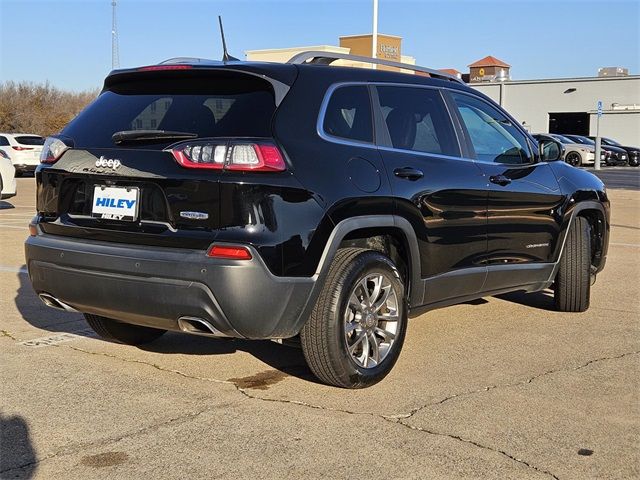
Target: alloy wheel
371 320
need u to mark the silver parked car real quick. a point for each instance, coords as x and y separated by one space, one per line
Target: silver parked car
576 154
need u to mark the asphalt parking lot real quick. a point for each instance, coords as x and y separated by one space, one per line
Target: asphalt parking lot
498 388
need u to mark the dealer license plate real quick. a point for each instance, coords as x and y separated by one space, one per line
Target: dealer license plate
115 203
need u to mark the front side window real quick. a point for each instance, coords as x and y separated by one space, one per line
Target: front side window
4 142
348 114
417 120
494 137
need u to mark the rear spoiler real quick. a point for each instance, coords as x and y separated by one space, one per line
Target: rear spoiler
279 78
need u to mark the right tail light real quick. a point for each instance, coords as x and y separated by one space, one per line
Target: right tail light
239 155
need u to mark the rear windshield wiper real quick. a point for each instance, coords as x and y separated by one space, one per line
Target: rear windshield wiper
150 136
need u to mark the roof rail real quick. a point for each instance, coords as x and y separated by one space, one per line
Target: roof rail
326 58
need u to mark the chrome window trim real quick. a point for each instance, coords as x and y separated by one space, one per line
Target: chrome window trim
425 154
330 138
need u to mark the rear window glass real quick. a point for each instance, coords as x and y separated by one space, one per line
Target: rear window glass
215 107
30 140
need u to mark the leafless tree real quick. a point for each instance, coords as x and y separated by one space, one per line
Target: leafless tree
39 108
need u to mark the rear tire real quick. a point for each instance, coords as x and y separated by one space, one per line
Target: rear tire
126 333
573 281
355 332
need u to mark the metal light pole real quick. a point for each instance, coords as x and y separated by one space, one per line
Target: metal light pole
374 43
115 54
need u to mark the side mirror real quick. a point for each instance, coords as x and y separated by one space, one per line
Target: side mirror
550 150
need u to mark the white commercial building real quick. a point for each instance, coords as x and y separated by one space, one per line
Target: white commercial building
569 105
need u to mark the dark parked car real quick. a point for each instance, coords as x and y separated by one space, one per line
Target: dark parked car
270 201
614 156
633 153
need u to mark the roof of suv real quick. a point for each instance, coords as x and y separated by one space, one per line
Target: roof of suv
287 73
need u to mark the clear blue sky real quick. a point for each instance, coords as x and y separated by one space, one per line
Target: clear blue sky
68 43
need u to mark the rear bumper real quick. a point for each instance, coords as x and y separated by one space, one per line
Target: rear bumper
157 286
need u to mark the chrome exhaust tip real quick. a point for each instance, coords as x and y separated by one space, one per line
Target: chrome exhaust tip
199 326
53 302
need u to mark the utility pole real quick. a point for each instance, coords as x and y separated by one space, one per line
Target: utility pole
115 54
374 43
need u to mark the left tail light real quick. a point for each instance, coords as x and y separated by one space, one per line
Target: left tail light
22 148
53 149
239 155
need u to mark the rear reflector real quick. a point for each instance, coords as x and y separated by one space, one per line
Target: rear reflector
238 155
22 148
232 252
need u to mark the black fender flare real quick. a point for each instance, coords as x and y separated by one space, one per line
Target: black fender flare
340 231
574 212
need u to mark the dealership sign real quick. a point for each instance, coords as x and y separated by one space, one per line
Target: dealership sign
389 51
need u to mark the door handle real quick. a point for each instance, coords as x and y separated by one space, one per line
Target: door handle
500 180
409 173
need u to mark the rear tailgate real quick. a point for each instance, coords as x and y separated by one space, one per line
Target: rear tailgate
176 206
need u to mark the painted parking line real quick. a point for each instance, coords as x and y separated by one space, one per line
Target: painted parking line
632 245
14 226
57 338
9 269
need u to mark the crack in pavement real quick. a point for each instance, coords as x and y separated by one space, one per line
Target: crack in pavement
527 381
476 444
390 419
4 333
393 419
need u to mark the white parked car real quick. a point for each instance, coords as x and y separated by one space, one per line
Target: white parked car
7 176
23 149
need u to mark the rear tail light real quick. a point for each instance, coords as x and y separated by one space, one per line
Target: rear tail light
22 148
53 149
231 252
239 155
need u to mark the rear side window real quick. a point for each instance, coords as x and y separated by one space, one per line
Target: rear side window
4 142
348 114
493 135
30 140
417 120
220 105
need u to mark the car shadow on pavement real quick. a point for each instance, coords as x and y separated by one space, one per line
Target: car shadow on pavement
541 300
18 456
286 359
34 312
5 205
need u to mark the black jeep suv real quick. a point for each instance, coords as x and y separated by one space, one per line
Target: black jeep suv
270 201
